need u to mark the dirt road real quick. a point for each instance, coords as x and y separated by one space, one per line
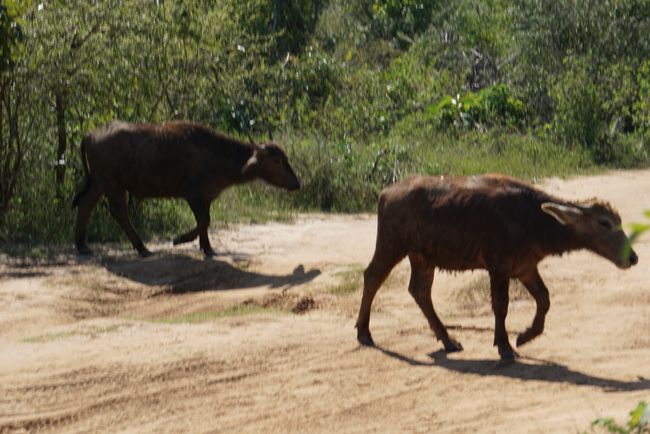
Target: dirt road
261 338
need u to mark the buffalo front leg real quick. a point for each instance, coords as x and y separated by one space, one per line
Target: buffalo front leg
535 285
377 271
118 209
201 211
420 288
499 293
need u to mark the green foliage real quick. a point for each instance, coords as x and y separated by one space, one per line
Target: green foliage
547 34
638 423
399 19
11 33
579 119
639 228
641 107
589 113
492 106
361 94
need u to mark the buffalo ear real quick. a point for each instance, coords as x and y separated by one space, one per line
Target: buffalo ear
565 214
259 152
249 165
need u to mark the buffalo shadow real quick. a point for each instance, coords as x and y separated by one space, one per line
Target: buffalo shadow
524 368
179 273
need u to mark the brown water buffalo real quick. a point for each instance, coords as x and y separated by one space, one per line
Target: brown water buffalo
174 159
490 222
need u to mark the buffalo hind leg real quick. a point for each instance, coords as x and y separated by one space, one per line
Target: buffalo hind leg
499 293
187 236
536 287
378 270
420 289
86 202
119 210
201 211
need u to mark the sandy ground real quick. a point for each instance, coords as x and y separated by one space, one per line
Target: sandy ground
261 338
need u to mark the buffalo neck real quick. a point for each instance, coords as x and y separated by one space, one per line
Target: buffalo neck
556 238
232 156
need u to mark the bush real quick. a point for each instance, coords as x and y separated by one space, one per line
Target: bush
492 106
578 119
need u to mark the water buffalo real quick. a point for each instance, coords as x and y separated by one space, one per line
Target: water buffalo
490 222
174 159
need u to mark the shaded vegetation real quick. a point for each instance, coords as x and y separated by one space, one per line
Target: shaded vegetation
360 93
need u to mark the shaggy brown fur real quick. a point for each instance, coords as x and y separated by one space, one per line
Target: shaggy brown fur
175 159
490 222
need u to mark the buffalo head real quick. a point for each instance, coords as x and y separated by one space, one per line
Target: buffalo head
599 225
270 163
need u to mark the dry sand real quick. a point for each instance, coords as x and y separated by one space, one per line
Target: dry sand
262 339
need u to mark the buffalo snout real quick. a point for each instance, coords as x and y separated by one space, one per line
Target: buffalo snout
295 185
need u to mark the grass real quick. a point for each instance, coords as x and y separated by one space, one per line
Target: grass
349 281
476 294
48 337
234 311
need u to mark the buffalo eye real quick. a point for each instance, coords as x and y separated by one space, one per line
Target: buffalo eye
605 223
277 161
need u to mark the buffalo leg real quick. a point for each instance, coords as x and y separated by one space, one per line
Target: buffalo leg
84 208
201 211
499 292
535 285
187 236
118 208
377 271
420 289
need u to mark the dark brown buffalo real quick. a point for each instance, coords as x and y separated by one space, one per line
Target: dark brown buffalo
175 159
490 222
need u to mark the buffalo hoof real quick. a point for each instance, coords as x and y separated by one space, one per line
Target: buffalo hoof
453 346
209 253
524 338
508 355
365 339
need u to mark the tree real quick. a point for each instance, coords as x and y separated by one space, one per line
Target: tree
11 150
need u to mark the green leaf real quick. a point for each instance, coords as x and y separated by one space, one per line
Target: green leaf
635 415
637 230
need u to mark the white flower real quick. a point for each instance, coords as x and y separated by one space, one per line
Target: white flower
453 101
40 7
241 48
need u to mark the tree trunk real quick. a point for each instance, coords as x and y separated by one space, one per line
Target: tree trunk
3 151
59 102
10 149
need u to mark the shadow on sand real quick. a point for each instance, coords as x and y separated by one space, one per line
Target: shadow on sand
182 274
524 368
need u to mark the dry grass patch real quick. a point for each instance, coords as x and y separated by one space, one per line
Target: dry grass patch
475 296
